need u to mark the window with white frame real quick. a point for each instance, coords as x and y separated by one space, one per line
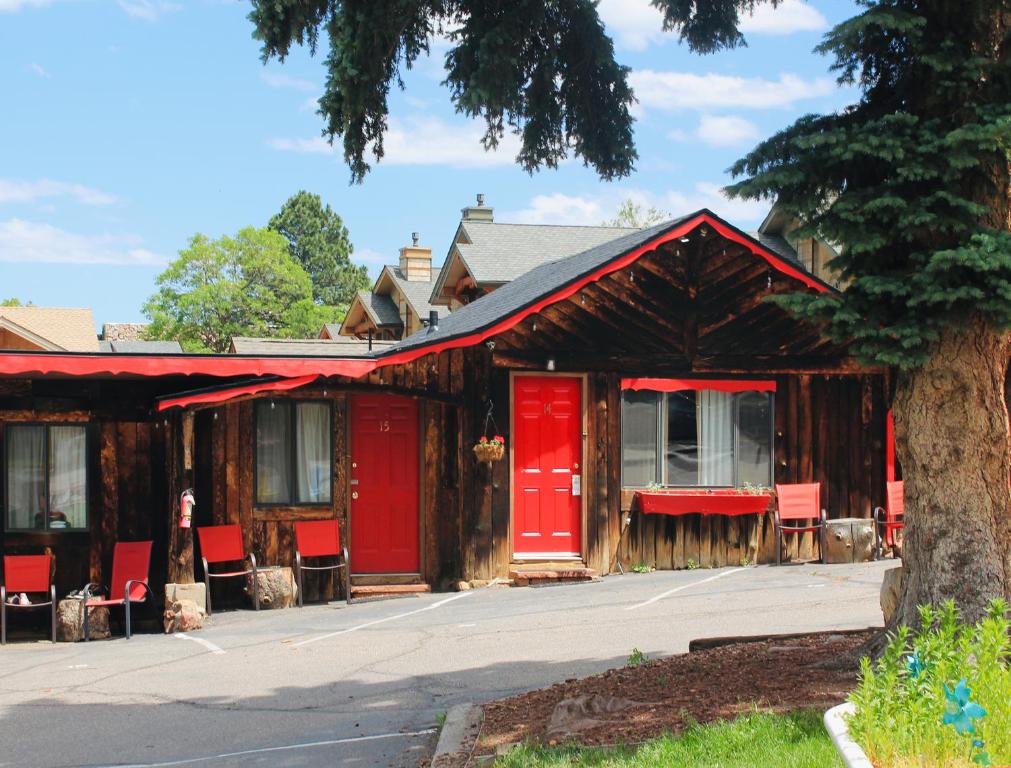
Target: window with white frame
696 437
294 458
46 477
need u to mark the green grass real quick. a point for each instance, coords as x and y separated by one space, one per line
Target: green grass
794 740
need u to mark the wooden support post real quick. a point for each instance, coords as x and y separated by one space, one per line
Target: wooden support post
180 461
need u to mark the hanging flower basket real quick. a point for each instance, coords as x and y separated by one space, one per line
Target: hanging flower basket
490 449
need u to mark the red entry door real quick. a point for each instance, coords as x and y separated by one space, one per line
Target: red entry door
547 451
384 484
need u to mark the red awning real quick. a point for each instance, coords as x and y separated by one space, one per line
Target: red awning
680 385
223 394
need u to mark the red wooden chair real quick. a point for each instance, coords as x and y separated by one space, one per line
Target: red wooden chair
799 502
223 544
131 563
31 574
319 539
891 518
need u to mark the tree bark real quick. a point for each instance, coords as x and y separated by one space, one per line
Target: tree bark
953 442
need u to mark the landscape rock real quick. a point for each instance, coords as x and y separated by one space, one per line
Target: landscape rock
196 592
582 713
891 591
69 627
183 616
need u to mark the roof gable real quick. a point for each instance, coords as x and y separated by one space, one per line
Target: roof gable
54 329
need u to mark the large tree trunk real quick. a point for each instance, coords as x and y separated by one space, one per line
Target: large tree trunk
953 442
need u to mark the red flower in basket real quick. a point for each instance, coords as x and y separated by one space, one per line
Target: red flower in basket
498 439
483 439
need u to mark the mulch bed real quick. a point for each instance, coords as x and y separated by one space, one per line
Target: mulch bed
720 683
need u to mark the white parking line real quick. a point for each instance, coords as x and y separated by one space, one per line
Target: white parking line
286 747
205 643
431 607
670 592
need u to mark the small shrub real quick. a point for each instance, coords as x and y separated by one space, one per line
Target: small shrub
636 658
662 681
691 564
745 562
941 698
643 568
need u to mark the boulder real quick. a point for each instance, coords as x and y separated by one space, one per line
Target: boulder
194 592
276 587
70 628
891 591
183 616
571 716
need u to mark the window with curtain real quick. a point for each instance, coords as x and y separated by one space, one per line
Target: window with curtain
46 477
704 438
294 457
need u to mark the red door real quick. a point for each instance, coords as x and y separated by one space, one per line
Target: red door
547 451
384 484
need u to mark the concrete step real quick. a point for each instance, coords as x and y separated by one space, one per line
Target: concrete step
388 590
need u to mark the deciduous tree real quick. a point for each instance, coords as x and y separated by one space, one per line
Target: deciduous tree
247 285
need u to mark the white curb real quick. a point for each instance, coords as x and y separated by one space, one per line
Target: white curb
835 723
461 729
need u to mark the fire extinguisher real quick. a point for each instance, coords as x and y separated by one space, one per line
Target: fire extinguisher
186 504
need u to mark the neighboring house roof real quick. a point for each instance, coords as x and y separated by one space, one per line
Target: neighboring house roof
543 282
417 292
342 347
777 244
135 347
53 329
496 253
382 310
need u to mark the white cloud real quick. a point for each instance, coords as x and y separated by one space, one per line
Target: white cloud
726 130
280 80
12 6
39 70
681 90
147 10
26 241
559 208
421 140
374 260
18 191
789 17
636 24
311 104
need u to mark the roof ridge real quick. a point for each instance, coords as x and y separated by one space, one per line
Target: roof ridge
557 226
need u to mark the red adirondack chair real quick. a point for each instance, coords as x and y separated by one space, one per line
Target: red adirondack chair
223 544
131 563
891 517
31 574
799 502
319 539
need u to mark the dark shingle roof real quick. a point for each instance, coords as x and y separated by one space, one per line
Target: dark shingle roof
543 281
417 292
137 347
778 245
529 287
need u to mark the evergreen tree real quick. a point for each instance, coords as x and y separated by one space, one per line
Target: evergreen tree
319 241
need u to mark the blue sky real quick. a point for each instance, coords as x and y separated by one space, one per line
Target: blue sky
129 125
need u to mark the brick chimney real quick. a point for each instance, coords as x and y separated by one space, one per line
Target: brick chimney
416 261
479 212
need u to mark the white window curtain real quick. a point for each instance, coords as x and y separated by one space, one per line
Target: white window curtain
26 477
273 453
312 460
68 477
716 438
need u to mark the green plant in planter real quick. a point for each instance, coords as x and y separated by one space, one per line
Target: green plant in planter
941 697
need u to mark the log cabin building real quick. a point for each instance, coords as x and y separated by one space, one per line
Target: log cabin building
647 361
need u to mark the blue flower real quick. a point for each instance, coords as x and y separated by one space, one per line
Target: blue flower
959 711
915 665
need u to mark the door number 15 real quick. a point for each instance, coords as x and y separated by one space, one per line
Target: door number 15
384 426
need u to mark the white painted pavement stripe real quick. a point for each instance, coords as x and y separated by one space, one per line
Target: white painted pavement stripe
670 592
367 624
205 643
286 747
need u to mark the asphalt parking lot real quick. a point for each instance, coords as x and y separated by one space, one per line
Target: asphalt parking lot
363 685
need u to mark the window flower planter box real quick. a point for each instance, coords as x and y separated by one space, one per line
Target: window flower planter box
703 501
850 752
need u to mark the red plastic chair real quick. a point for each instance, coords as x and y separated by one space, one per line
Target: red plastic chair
31 574
891 518
799 502
317 539
131 564
223 544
